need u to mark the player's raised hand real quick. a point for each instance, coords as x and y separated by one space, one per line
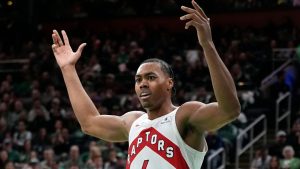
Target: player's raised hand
197 18
62 50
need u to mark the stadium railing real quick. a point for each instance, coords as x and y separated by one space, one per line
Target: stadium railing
215 155
287 111
242 148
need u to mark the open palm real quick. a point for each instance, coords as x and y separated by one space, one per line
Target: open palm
197 18
62 50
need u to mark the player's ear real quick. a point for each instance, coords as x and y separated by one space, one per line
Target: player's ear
170 83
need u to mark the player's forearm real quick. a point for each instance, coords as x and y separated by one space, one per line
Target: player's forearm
81 103
223 84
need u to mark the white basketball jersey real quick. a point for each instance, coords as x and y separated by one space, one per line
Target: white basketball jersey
157 144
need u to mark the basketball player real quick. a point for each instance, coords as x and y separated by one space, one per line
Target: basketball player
166 136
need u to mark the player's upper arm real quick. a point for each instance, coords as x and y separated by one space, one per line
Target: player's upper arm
208 117
110 127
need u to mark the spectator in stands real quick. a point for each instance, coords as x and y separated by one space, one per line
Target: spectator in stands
95 160
280 142
3 158
85 156
41 141
214 142
240 78
74 158
21 135
49 159
112 160
5 87
262 159
25 152
34 164
61 141
18 112
49 94
3 128
3 110
56 111
279 87
202 95
293 138
274 163
228 134
38 116
13 155
289 160
9 165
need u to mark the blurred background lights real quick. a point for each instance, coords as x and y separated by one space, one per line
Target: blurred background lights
10 3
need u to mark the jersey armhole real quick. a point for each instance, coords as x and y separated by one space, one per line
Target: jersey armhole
174 126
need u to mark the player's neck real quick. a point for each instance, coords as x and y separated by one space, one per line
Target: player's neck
160 111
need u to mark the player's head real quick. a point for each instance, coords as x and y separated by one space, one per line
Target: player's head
154 83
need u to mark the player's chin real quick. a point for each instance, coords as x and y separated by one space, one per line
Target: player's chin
146 104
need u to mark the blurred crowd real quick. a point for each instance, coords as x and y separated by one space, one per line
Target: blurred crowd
91 8
67 9
38 128
282 153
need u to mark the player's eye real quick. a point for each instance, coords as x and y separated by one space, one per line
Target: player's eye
151 77
138 80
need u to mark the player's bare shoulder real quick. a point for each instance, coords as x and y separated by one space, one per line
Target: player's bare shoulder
130 117
185 110
189 107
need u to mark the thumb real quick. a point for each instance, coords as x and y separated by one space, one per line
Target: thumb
80 48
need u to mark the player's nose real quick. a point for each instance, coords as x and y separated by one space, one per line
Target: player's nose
144 84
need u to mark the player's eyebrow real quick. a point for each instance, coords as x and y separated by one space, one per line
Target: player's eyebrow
146 74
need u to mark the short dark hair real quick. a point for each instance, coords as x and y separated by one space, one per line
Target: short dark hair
166 68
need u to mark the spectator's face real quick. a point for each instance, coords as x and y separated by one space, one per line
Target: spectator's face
35 166
3 156
2 123
37 104
48 155
27 145
95 152
274 162
281 139
297 126
3 107
112 155
6 97
18 105
58 124
258 153
21 126
74 152
65 133
98 161
92 144
43 132
288 154
235 70
9 165
152 85
35 94
55 103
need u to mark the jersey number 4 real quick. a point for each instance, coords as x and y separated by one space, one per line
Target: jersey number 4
145 164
